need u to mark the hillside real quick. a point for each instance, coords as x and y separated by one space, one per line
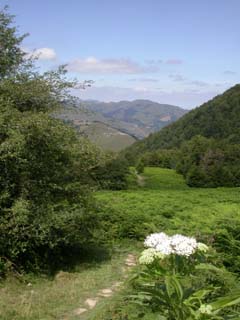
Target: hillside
96 127
219 118
117 125
141 116
106 136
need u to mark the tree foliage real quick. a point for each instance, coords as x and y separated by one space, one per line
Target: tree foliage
210 163
46 208
11 54
203 145
111 173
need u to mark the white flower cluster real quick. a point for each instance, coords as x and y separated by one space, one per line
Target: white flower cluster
183 246
158 241
202 247
149 255
177 244
206 309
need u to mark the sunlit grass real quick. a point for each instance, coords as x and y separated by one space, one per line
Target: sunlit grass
169 203
41 298
164 202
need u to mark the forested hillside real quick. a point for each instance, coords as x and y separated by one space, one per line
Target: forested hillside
219 118
203 145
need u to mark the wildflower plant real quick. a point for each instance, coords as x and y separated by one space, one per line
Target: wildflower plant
169 281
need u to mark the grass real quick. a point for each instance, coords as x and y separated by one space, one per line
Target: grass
168 203
41 298
163 203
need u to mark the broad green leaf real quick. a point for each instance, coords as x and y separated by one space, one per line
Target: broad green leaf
227 301
208 267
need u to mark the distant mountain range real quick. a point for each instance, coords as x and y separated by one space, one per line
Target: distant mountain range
218 118
116 125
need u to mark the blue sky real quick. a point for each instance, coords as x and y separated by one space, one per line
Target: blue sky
180 52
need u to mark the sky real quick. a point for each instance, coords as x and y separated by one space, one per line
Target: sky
180 52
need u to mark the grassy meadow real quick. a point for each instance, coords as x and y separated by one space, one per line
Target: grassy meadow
165 203
161 202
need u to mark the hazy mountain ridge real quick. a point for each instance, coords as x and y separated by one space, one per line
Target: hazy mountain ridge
145 116
116 125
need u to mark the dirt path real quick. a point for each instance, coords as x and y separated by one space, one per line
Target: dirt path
140 180
104 293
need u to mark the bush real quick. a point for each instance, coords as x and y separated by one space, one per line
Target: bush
227 244
112 174
115 225
140 166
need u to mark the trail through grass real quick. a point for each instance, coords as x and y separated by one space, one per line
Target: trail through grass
166 202
163 203
61 298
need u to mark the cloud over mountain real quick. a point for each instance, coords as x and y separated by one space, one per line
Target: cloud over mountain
109 66
174 61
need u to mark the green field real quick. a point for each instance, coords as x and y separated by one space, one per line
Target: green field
162 202
166 203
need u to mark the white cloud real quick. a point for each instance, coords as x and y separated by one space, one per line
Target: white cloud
177 77
41 54
108 66
174 61
153 61
153 80
199 83
229 72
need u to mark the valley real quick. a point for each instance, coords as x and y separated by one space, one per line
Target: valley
115 126
115 203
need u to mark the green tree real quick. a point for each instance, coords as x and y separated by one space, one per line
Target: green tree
46 208
11 56
140 166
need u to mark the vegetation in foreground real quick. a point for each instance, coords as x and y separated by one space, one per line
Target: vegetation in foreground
161 204
47 171
38 297
48 215
166 203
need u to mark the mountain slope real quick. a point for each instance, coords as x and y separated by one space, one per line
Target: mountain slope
96 127
117 125
218 118
139 117
107 137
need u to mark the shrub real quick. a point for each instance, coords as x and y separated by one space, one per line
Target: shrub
227 244
111 174
140 166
